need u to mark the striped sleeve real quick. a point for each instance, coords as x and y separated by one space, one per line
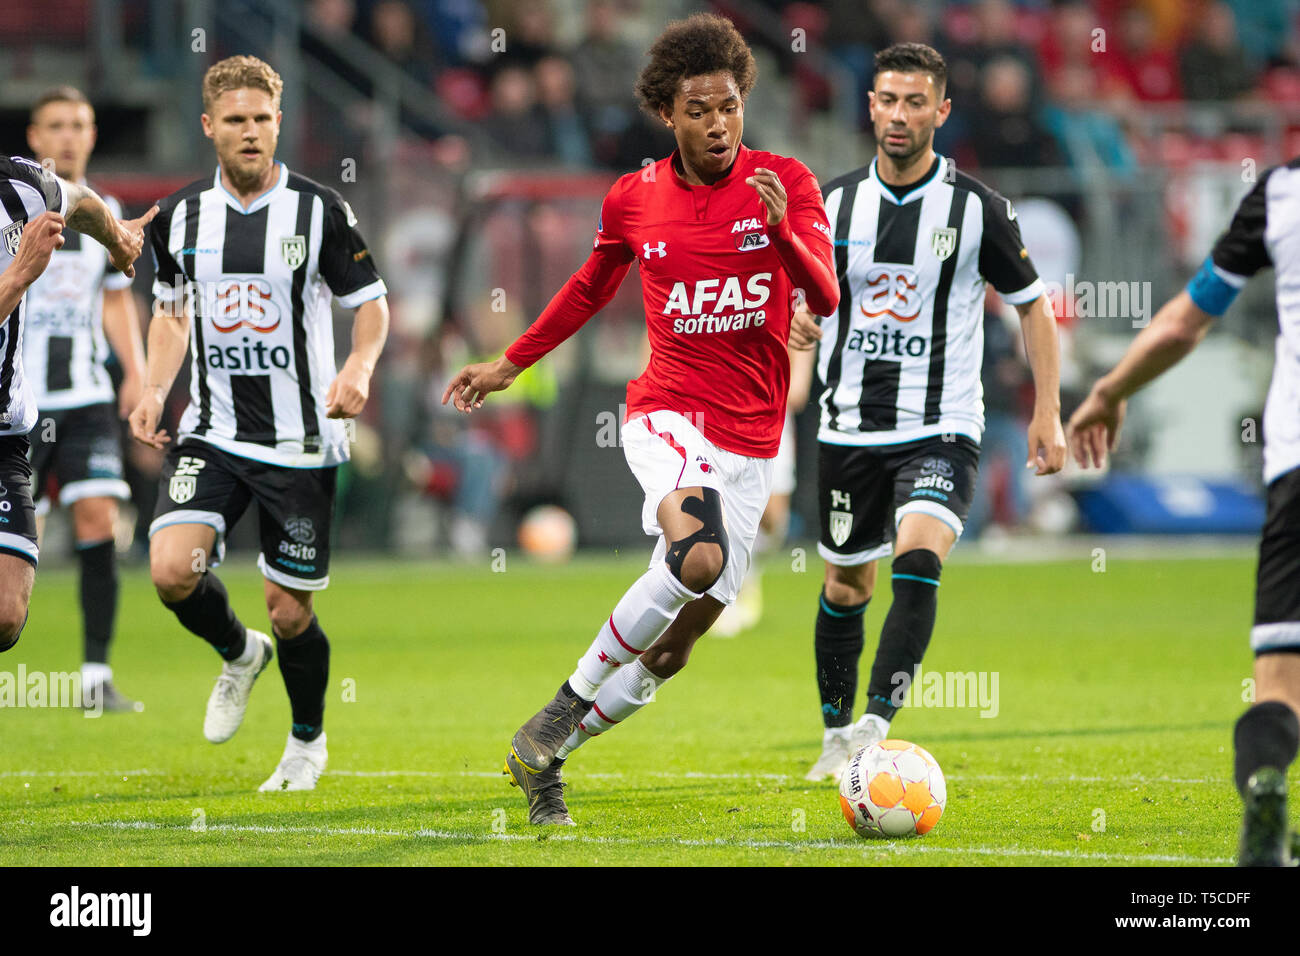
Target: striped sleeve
346 264
169 280
1238 254
39 178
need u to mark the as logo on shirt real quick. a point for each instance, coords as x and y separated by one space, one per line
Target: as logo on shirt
891 292
753 240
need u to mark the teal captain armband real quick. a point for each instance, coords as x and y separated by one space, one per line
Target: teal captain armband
1213 289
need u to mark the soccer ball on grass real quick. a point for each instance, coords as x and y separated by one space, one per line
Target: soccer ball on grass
892 789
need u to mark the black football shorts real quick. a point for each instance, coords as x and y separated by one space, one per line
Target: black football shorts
864 491
79 451
201 484
17 513
1277 582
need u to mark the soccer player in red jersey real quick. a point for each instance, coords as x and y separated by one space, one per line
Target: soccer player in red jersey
728 240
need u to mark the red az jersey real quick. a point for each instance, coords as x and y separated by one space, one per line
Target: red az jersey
719 290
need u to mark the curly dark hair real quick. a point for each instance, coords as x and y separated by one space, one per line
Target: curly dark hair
914 58
701 44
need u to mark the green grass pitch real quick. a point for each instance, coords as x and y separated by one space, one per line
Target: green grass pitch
1111 745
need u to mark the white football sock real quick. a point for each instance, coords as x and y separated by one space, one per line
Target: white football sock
93 674
640 616
630 690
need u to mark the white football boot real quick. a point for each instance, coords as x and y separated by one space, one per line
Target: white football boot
870 729
836 748
300 767
230 697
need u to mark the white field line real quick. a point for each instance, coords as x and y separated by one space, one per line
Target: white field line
83 773
687 775
860 847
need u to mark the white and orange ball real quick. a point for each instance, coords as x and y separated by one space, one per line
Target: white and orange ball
892 789
548 533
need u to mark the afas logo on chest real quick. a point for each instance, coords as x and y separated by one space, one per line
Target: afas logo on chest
753 237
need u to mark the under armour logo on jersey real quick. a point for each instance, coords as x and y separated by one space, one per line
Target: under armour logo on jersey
1011 211
655 250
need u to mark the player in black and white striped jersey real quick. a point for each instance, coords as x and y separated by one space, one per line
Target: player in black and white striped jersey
248 262
35 205
1265 231
74 311
902 410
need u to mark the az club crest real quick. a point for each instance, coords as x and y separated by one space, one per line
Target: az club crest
943 241
841 524
294 250
13 234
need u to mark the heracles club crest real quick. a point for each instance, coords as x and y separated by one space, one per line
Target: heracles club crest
841 524
13 235
294 250
943 241
181 488
184 479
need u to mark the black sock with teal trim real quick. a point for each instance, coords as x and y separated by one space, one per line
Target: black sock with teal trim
207 613
907 630
99 590
1267 735
837 647
305 667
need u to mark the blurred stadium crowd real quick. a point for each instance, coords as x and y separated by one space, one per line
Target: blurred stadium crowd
476 137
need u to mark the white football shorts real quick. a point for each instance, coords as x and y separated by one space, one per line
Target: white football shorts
666 452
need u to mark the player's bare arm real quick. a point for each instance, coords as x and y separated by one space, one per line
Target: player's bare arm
124 239
1042 347
40 238
169 339
1177 329
349 392
122 329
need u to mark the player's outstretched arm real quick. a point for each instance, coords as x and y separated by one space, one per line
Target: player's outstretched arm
472 383
1177 328
40 238
124 239
1042 347
349 392
169 339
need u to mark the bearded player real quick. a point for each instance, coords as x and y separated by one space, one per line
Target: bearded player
916 240
248 261
727 239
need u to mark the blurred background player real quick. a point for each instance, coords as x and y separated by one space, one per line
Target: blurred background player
1265 231
246 263
723 236
75 311
775 523
915 241
35 205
